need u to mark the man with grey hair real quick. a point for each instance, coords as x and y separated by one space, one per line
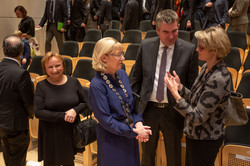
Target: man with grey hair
166 52
16 103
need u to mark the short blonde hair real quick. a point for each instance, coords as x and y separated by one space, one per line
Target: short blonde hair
107 45
17 33
214 39
47 57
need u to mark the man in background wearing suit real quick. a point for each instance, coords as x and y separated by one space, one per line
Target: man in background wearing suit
16 104
78 20
56 13
157 55
157 6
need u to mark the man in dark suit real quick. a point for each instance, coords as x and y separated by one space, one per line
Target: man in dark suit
16 104
157 6
56 13
131 17
78 20
157 55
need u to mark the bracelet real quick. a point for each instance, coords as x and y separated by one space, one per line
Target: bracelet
178 100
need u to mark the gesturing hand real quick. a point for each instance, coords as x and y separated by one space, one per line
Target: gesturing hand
172 82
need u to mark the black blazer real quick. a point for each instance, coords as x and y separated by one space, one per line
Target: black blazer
184 62
61 13
79 13
131 17
159 5
16 96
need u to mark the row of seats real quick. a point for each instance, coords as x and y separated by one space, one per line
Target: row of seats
83 68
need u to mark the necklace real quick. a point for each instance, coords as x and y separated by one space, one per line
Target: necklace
125 106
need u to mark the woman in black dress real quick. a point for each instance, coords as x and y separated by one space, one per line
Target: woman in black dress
27 25
58 101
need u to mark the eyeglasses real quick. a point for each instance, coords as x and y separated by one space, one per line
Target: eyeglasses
119 55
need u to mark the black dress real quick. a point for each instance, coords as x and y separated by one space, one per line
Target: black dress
27 25
55 144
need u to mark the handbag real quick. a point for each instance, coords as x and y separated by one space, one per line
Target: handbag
235 113
84 132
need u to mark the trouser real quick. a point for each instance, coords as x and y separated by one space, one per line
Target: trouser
77 34
202 152
161 119
15 145
50 33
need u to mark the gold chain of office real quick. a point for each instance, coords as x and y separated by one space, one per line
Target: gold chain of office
125 106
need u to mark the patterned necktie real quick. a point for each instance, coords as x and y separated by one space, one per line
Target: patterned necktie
160 88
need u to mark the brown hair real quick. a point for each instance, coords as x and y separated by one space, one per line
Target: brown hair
22 10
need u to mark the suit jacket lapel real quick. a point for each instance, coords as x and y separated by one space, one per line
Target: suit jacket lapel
176 55
154 57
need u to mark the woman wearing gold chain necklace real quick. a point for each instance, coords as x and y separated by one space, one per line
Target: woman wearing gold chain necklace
110 95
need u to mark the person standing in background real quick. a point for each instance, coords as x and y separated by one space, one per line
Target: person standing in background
215 13
157 6
187 8
155 56
16 104
238 15
56 14
131 18
78 20
92 7
104 16
27 24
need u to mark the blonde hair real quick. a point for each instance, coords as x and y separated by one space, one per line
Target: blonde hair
47 57
214 39
18 33
107 45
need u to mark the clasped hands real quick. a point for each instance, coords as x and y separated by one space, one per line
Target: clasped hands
142 131
70 115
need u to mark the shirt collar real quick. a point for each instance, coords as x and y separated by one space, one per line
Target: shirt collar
13 59
162 45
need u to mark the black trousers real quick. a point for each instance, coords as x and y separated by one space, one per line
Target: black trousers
202 152
161 119
77 34
15 145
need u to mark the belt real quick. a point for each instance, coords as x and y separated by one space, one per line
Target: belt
159 105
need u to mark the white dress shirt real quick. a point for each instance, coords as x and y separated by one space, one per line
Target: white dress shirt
170 52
